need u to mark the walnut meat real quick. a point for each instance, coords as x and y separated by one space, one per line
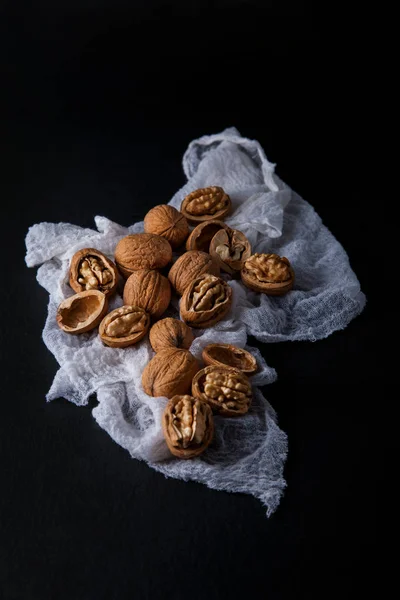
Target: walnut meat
149 290
90 269
82 312
168 222
203 233
124 326
205 204
230 248
268 273
206 301
226 390
188 426
170 333
228 355
142 251
169 373
188 267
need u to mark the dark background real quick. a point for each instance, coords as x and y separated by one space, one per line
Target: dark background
99 101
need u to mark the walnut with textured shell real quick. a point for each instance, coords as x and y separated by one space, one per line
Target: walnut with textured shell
188 267
230 356
170 372
203 233
82 312
166 221
268 273
90 269
226 390
142 251
230 248
205 301
170 333
205 204
148 289
124 326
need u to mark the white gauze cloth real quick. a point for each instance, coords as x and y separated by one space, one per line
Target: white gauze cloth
248 453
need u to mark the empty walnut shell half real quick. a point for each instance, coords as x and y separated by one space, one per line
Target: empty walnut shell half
205 301
188 267
268 273
82 312
231 356
202 235
168 222
90 269
230 248
188 426
169 373
205 204
124 326
142 251
226 390
148 289
170 333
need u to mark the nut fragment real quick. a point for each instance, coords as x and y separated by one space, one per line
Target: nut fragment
268 273
188 267
230 248
203 233
148 289
142 251
226 390
170 333
205 204
90 269
188 426
231 356
82 312
124 326
170 372
168 222
205 301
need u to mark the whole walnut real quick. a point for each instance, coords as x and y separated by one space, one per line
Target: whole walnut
169 373
189 266
149 290
166 221
142 251
170 333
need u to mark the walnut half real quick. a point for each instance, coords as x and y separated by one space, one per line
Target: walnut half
268 273
230 248
124 326
188 426
205 204
225 389
205 301
227 355
90 269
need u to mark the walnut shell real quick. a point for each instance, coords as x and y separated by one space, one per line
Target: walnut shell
230 249
205 204
169 373
168 222
124 326
227 355
188 267
226 390
149 290
268 273
90 269
203 233
188 426
170 333
205 301
82 312
142 251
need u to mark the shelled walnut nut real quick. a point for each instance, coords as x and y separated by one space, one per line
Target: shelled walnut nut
205 204
124 326
170 333
170 372
268 273
166 221
188 267
205 301
82 312
226 390
142 251
188 426
148 289
90 269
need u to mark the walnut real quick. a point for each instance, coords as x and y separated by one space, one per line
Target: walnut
168 222
188 267
228 355
230 248
124 326
226 390
205 204
268 273
82 312
170 333
90 269
202 235
142 251
205 301
188 426
149 290
169 373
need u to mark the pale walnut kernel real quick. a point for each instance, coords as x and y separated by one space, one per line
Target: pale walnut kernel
92 273
228 389
206 201
189 422
208 293
269 268
125 323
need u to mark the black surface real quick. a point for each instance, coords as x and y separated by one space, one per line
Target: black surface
100 102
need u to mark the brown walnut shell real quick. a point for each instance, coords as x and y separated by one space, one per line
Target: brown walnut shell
142 251
205 301
168 222
203 233
124 326
226 390
169 373
205 204
90 269
188 426
149 290
82 312
227 355
188 267
170 333
230 248
268 273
